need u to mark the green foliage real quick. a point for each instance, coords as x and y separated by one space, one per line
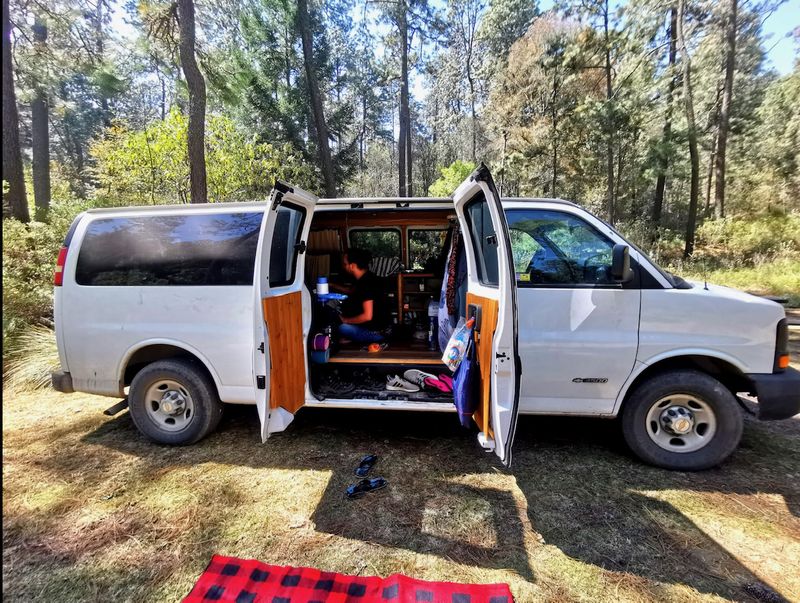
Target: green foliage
452 175
135 167
746 241
29 257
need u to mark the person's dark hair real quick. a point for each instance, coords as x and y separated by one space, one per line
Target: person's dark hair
359 257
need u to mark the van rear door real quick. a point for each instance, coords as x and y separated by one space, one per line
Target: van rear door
279 362
492 299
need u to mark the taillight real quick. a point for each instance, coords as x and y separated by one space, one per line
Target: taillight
781 347
58 276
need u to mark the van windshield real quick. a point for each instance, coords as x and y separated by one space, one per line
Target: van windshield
673 279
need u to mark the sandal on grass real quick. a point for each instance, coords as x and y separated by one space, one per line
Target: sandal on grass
363 486
366 465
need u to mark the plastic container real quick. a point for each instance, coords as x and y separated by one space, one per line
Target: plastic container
322 286
454 352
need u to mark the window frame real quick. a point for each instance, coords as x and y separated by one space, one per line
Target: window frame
86 225
477 252
396 229
411 228
632 284
292 273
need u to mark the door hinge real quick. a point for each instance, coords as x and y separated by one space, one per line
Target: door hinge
300 247
261 347
261 381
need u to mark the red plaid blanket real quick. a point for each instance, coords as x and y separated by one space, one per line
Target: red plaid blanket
249 581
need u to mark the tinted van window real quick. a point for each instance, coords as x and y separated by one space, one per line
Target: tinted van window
188 250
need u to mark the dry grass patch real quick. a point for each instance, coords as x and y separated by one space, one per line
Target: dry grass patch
93 511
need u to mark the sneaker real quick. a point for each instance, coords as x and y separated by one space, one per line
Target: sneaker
397 384
417 377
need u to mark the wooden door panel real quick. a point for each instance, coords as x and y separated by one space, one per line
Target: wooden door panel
284 317
483 352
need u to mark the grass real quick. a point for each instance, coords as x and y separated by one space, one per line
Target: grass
91 511
779 277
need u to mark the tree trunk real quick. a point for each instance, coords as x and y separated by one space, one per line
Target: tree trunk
321 127
725 113
100 49
710 176
16 197
666 135
691 134
404 144
554 115
40 135
609 120
197 103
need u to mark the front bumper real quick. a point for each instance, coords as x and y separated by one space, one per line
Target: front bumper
62 382
778 394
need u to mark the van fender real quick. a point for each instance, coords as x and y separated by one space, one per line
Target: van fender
161 341
640 366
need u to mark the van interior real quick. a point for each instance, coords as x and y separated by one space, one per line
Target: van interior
409 249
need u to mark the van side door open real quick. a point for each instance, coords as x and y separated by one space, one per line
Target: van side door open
491 298
279 362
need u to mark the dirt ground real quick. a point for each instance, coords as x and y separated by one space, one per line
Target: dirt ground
91 511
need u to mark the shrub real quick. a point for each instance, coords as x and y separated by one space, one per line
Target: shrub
29 257
29 358
452 175
740 241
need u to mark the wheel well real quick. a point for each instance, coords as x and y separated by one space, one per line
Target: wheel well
726 373
151 353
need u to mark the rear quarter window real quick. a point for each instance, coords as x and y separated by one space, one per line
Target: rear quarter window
163 250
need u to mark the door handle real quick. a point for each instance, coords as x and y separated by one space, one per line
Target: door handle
474 311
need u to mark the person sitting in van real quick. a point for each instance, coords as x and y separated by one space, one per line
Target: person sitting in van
364 312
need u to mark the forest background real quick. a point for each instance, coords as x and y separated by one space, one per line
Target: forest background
665 117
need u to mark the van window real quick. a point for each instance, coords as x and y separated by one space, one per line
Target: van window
557 248
384 243
285 242
181 250
484 240
424 246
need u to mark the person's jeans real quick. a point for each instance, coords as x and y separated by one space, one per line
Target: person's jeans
359 334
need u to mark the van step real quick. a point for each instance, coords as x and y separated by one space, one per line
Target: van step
117 408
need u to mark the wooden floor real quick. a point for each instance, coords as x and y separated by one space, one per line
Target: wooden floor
388 356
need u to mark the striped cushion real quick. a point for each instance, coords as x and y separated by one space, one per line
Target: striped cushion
384 266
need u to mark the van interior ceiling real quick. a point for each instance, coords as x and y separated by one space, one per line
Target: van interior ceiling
409 252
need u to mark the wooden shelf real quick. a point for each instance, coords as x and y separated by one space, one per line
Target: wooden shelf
406 289
386 357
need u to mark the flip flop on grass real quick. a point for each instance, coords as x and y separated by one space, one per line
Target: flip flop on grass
360 488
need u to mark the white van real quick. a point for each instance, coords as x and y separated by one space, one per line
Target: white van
182 308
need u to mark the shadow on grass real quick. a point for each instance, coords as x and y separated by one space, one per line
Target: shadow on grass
585 494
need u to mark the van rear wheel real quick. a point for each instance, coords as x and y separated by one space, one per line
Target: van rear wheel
174 402
684 420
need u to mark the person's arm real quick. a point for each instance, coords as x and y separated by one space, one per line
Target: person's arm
365 316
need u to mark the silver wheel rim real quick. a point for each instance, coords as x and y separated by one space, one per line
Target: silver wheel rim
681 423
169 405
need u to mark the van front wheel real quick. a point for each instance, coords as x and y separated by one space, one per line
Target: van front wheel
174 402
684 420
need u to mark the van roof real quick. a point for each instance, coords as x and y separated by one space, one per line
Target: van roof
334 203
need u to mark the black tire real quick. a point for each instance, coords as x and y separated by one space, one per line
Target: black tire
726 410
206 407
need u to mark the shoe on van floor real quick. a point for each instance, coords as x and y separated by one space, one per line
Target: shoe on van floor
398 384
417 377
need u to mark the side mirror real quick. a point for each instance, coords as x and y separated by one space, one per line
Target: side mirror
621 263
